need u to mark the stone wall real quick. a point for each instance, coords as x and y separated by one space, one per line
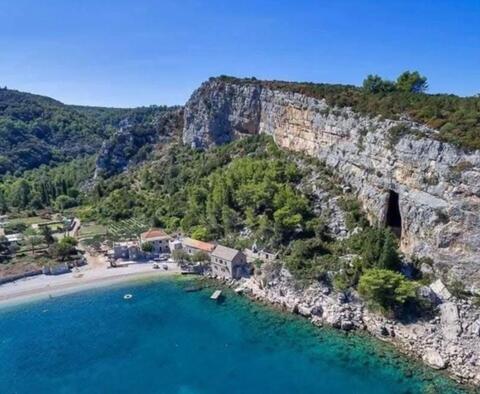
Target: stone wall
438 184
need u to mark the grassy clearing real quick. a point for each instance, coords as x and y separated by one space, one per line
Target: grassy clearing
88 230
28 221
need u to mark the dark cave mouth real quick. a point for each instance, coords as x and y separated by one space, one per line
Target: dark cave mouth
394 218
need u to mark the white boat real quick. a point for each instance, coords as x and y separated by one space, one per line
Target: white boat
216 295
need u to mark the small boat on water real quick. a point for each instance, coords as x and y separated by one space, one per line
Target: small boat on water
188 272
217 294
127 296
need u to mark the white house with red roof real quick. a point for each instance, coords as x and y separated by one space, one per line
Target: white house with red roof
191 246
158 238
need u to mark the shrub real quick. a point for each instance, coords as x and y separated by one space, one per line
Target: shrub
200 233
147 247
386 290
375 84
377 248
304 259
395 133
200 256
457 289
411 82
354 215
63 248
180 256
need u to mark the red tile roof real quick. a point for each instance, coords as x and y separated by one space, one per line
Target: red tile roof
193 243
154 233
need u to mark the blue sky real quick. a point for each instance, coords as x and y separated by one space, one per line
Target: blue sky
130 53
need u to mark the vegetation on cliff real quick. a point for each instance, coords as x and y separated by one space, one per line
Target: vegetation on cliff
456 118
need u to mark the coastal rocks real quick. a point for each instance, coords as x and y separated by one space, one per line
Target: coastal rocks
449 321
434 359
384 331
347 325
304 310
476 328
439 201
447 341
428 294
317 310
440 290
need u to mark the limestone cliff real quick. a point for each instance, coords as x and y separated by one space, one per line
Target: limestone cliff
434 186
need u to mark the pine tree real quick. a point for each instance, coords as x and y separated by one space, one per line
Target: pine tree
389 258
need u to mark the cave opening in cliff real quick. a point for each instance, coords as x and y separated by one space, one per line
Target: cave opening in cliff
393 218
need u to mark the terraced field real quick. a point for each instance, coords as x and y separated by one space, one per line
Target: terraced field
129 228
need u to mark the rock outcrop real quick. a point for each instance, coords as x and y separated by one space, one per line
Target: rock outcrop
433 186
134 141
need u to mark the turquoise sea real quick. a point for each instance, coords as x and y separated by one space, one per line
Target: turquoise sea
166 340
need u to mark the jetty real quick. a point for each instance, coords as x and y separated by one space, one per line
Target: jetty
216 295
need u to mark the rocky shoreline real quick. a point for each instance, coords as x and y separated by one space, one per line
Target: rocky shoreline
449 341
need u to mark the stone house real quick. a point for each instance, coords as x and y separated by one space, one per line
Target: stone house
259 254
229 263
129 250
192 246
56 269
158 238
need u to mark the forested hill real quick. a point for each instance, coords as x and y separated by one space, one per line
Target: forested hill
36 130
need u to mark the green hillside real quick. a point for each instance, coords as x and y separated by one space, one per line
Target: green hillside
36 130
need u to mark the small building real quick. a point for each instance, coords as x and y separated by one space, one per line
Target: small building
192 246
14 238
228 263
257 254
56 269
158 238
128 250
175 244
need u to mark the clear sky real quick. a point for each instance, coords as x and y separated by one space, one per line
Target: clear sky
141 52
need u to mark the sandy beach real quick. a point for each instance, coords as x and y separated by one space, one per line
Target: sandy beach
95 274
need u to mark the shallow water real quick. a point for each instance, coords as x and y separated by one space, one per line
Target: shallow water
165 340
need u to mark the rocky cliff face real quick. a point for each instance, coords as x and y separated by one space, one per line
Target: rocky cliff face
134 141
427 189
